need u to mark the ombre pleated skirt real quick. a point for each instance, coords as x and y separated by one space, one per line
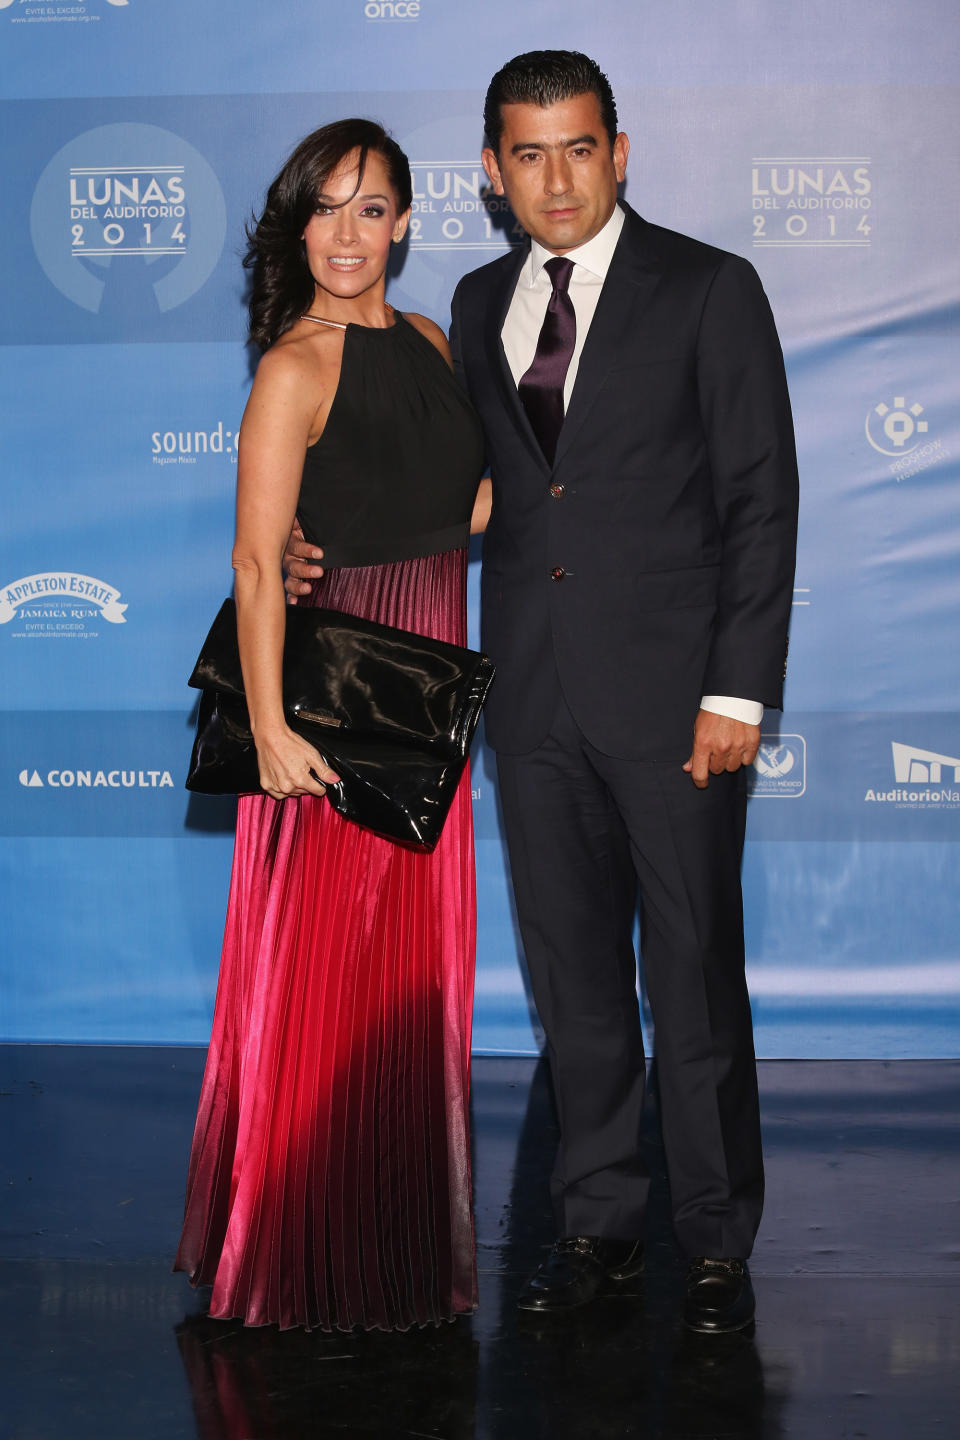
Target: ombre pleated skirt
329 1179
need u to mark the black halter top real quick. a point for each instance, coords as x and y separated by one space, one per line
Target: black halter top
395 472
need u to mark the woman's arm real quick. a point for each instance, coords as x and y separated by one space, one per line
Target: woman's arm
273 441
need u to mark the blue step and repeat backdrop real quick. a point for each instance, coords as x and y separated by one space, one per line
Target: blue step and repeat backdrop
818 140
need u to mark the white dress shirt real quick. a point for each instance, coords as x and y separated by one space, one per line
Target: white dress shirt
521 331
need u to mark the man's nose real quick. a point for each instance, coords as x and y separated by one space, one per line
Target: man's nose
557 176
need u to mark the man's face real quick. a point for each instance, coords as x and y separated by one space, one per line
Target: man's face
557 170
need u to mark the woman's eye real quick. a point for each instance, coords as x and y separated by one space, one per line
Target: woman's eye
373 211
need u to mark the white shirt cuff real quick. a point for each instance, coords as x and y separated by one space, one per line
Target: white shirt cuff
749 711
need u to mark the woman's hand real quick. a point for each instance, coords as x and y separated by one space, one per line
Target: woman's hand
289 765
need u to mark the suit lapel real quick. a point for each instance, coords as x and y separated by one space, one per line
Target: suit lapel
631 280
500 298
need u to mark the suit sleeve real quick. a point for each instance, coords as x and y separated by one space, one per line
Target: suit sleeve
456 331
745 410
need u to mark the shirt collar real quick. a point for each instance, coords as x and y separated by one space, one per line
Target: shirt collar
594 256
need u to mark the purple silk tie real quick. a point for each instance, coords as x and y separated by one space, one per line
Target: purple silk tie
541 388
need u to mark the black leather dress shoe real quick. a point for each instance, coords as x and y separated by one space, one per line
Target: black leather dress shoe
578 1268
719 1296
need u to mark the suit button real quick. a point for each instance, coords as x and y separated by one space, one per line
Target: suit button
557 573
556 490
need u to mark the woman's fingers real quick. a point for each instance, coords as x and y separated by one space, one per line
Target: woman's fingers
294 768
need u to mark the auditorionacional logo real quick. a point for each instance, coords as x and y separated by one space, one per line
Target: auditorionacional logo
923 780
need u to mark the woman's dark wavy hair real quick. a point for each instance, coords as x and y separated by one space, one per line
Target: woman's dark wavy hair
545 77
282 285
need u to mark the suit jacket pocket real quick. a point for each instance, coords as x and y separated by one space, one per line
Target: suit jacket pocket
676 589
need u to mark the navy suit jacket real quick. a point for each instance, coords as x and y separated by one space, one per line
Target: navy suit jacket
670 508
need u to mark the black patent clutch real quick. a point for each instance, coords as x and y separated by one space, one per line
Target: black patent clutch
391 712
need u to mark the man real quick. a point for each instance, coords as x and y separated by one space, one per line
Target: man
636 588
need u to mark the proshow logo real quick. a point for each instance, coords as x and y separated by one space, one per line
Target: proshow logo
60 604
896 429
779 770
129 207
378 11
924 780
184 447
819 201
97 780
900 429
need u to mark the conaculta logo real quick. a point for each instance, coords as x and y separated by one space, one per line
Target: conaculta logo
60 604
97 779
925 779
30 12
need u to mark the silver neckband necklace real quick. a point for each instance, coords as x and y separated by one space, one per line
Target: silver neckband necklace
338 325
335 324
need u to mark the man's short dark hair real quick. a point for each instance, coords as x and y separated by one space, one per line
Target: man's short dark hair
544 77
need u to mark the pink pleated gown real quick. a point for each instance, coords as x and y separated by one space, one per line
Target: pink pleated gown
329 1179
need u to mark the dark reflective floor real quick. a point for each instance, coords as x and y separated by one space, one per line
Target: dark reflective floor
856 1273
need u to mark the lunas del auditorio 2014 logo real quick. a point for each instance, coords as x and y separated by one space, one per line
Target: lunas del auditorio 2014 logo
128 209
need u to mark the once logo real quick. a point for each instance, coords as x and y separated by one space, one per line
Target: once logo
780 768
128 208
895 429
392 9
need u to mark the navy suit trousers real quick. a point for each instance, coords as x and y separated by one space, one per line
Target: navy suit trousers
586 830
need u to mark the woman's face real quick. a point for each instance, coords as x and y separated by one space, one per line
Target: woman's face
348 243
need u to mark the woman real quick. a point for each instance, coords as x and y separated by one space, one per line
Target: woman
329 1181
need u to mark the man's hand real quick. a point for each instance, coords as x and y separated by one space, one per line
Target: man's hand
299 563
719 744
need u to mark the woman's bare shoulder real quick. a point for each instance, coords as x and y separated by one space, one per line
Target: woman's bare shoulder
301 356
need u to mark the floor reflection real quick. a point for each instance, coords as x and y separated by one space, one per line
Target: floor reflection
858 1328
268 1384
622 1366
